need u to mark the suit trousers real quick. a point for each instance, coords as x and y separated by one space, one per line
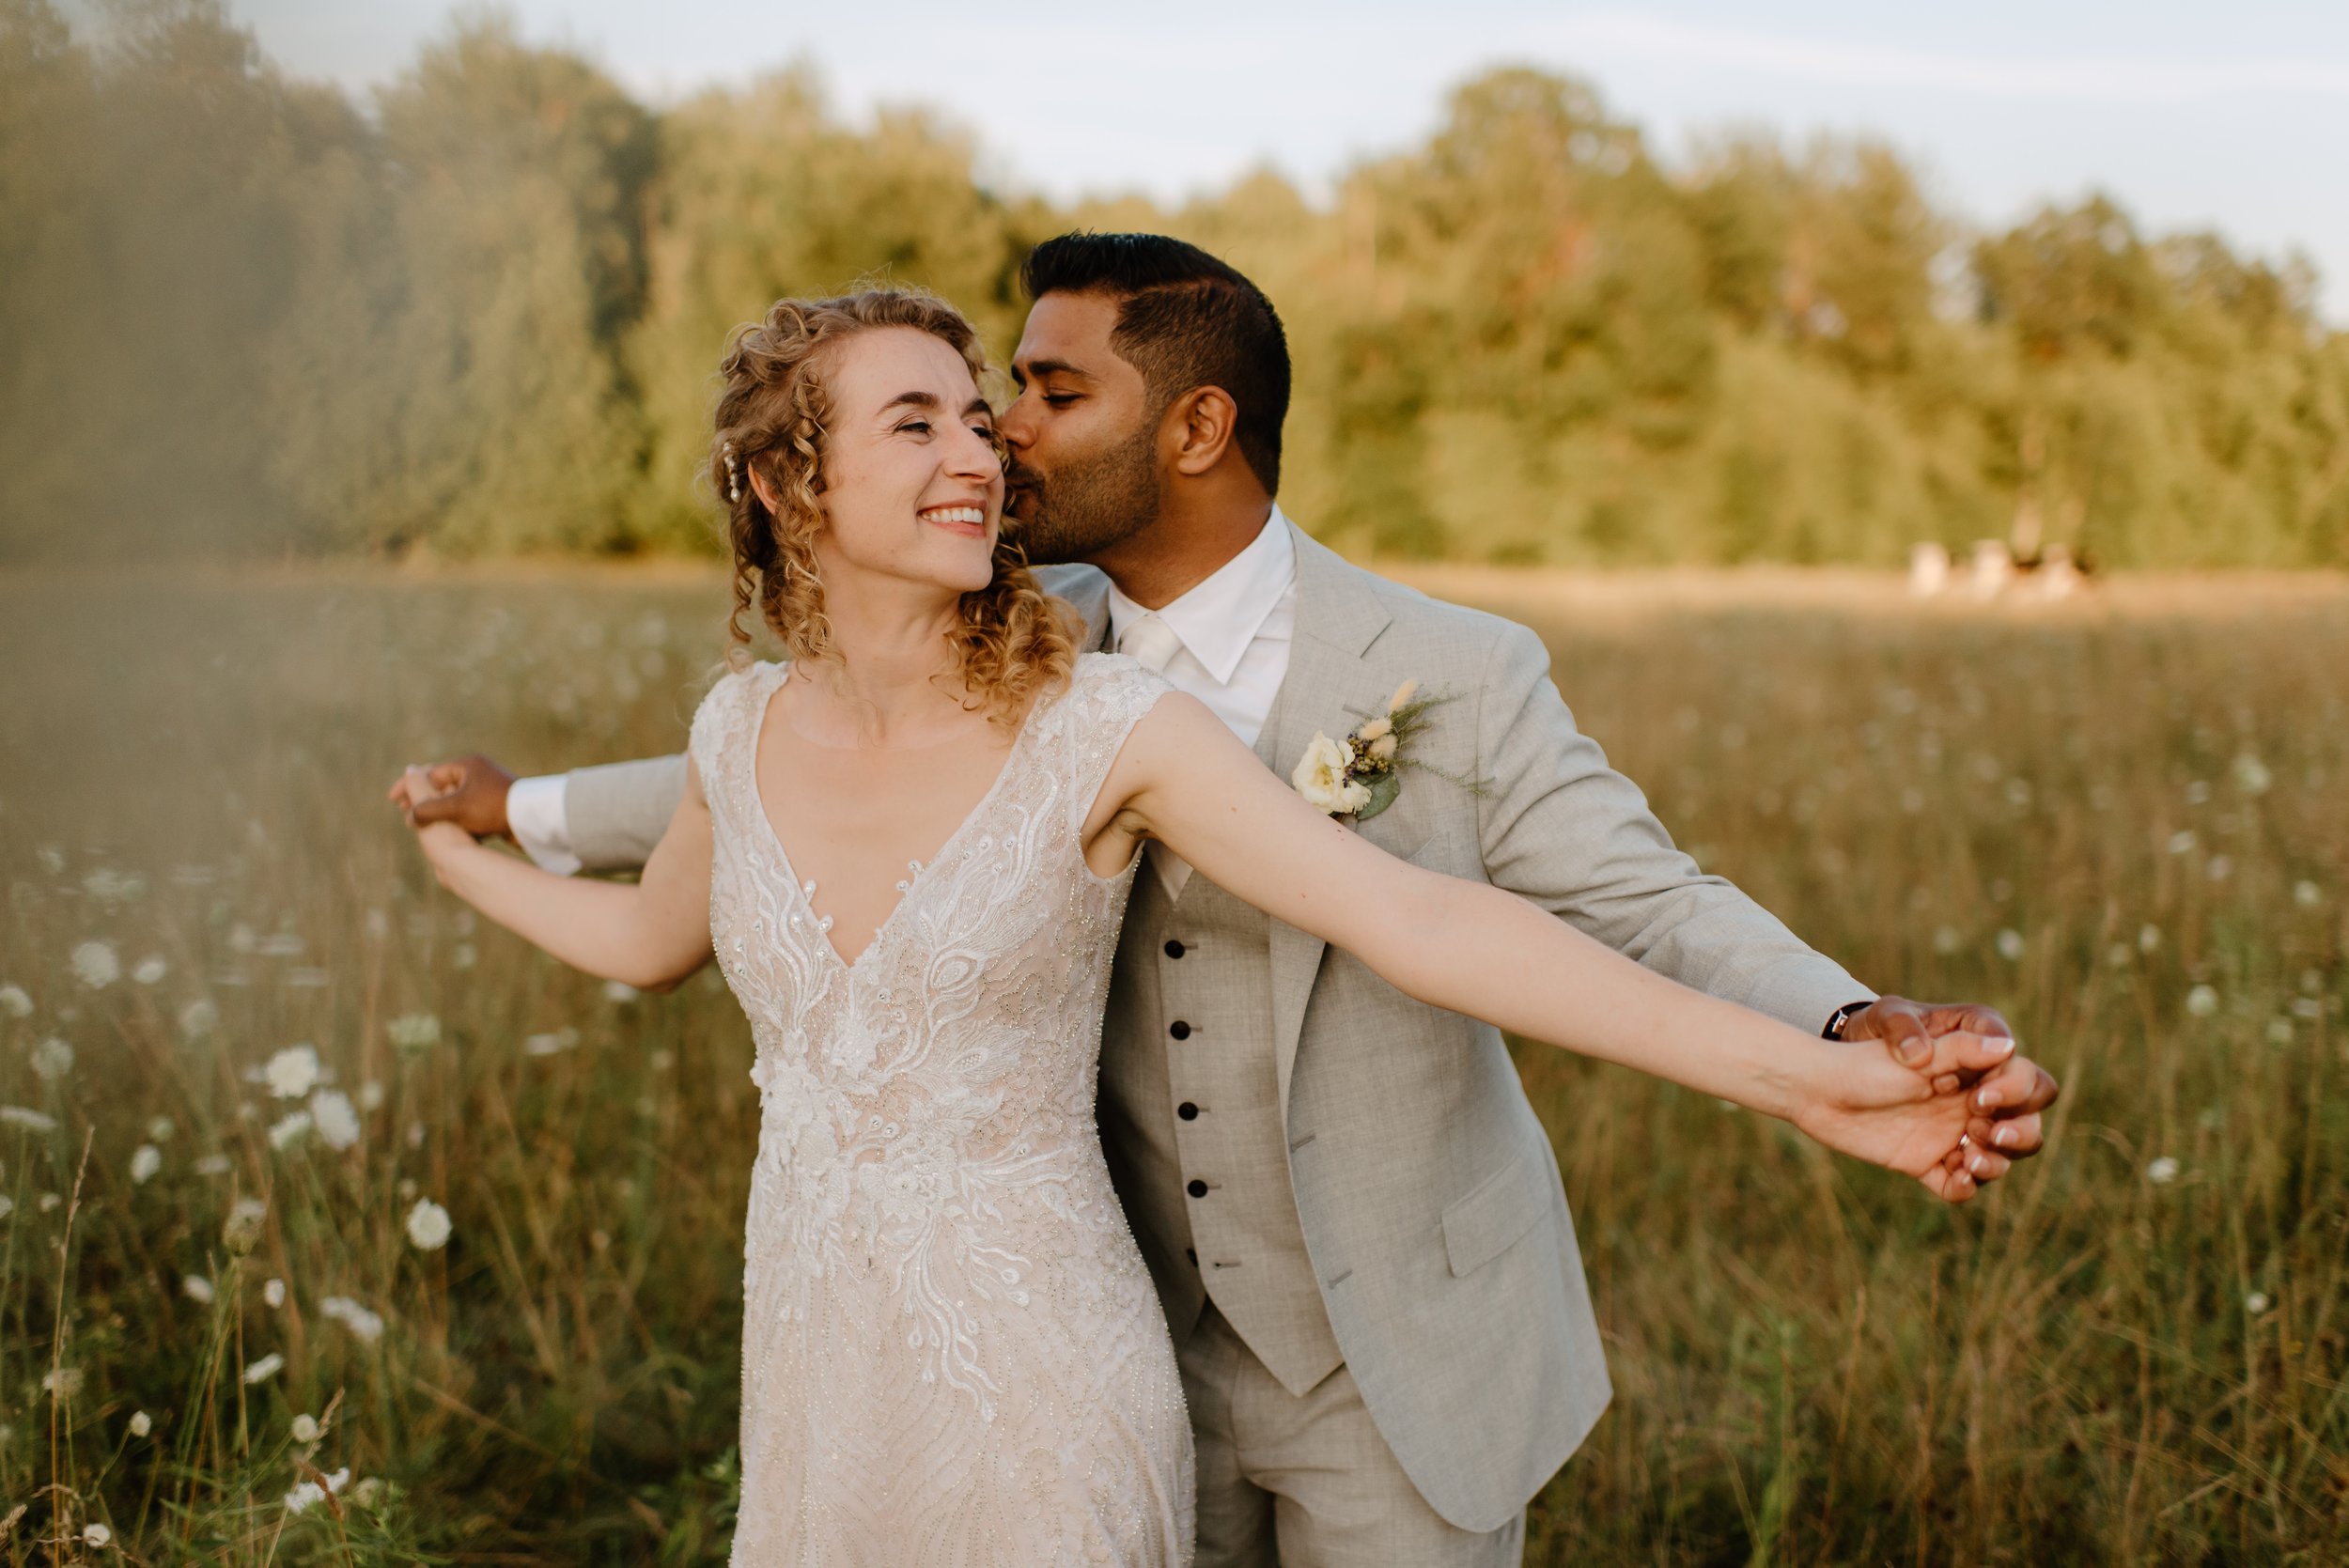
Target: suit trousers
1291 1482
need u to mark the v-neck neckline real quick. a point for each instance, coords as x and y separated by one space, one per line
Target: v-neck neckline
922 868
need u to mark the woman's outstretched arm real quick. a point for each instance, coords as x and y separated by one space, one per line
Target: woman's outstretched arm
652 934
1471 948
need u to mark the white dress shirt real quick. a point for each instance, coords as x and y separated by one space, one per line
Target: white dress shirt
1234 628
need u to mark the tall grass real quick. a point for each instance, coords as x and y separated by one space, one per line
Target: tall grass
2126 829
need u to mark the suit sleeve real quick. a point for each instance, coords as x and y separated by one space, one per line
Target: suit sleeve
618 812
1560 827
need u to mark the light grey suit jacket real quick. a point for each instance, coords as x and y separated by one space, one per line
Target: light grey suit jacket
1426 1189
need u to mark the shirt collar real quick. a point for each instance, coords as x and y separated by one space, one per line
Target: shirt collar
1222 612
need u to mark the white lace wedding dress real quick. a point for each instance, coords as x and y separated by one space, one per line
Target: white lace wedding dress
952 1352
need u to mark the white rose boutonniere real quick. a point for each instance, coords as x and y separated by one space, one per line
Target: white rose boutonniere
1361 775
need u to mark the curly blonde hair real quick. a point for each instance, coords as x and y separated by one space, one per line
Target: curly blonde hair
1015 642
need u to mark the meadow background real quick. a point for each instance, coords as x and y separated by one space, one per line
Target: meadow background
2117 819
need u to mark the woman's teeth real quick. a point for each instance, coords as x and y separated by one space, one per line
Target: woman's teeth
974 515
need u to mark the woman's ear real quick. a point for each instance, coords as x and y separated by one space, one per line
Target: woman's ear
764 489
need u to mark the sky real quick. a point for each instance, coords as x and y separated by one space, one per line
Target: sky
2193 115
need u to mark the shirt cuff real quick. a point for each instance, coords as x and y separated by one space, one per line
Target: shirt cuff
541 825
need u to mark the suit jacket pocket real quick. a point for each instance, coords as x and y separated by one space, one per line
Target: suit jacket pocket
1498 1212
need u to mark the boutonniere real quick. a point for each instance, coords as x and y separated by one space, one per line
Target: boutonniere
1361 776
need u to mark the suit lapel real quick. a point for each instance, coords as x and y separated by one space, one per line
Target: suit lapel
1338 618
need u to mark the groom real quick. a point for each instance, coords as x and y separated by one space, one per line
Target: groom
1354 1218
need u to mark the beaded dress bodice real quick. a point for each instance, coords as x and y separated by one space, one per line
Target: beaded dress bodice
952 1352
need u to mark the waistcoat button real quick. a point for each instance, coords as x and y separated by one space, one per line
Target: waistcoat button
1188 1111
1197 1188
1180 1030
1173 950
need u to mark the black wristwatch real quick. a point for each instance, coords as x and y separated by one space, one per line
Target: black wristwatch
1843 1014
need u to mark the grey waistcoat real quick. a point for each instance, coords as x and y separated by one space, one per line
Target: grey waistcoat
1203 1111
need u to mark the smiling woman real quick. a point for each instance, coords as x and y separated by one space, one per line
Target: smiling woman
900 413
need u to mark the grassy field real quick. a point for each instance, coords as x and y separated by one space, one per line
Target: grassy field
2120 820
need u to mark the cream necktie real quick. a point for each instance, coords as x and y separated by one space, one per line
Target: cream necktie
1151 643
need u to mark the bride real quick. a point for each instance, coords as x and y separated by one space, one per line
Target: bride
952 1350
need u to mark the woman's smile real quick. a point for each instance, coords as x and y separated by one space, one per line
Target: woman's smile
966 518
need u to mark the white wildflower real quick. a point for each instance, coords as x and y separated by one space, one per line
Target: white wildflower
2257 1303
96 965
2148 938
2119 956
463 954
141 1424
293 1072
541 1045
273 1293
145 1161
8 1206
51 859
368 1325
160 1130
266 1368
64 1382
2252 775
304 1493
151 968
53 1059
2220 868
2162 1172
619 990
2182 842
662 1059
305 1429
212 1165
289 1130
2279 1031
1948 939
371 1095
96 1534
2198 792
51 1203
2305 893
2012 947
16 1004
286 944
2202 1001
197 1288
368 1492
428 1225
242 1231
414 1032
337 1122
1320 778
2308 1007
199 1017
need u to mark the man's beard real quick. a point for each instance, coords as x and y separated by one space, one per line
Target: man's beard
1088 505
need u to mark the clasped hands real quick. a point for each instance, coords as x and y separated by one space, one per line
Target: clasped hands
1965 1105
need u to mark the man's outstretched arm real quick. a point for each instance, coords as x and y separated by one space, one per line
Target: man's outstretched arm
1562 827
605 818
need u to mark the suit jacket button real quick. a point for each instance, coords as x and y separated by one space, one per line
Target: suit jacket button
1180 1030
1197 1188
1188 1111
1173 950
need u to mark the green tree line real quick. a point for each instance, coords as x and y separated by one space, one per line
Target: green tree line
244 315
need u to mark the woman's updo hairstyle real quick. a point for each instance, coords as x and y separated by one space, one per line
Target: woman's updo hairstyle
1016 642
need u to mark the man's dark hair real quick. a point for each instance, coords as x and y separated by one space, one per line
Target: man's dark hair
1185 321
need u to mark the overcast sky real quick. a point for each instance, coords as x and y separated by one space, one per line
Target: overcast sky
2232 116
